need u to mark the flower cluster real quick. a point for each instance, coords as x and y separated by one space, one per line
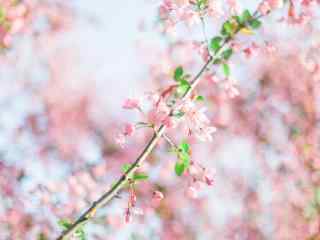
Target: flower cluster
188 11
12 20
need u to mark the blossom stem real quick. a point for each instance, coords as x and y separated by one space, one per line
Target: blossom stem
170 141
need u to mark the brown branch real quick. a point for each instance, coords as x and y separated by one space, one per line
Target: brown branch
124 178
109 195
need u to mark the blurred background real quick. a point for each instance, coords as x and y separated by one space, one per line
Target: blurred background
66 68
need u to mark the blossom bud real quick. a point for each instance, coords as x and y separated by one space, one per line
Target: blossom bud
157 195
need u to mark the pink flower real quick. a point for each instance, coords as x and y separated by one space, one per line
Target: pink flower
231 90
196 121
163 12
234 6
127 216
194 170
137 211
159 113
251 51
133 198
131 104
129 129
208 179
153 97
157 196
202 50
169 26
182 2
17 25
264 8
170 122
270 48
120 140
275 3
236 47
191 192
215 9
190 16
212 78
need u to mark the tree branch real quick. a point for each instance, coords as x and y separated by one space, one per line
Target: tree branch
112 192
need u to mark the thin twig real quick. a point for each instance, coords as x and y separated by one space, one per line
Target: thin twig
106 197
168 139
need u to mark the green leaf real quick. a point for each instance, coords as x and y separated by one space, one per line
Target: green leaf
179 168
80 234
215 44
65 223
201 4
227 54
227 28
255 23
178 73
183 87
226 69
246 15
217 61
238 19
178 114
185 158
125 167
134 176
200 98
140 176
182 164
185 147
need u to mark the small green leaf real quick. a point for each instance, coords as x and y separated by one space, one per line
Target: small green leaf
183 87
201 4
255 23
200 98
185 147
182 164
65 223
217 61
238 19
140 176
179 168
226 54
185 158
178 73
80 234
246 15
125 167
178 114
227 28
226 69
215 44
